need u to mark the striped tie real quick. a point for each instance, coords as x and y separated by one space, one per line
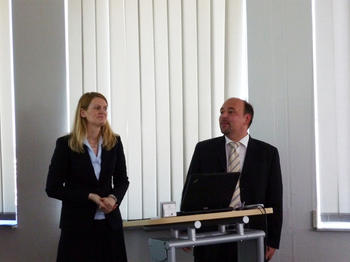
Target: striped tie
234 166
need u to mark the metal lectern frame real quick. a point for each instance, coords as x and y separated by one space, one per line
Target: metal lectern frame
164 249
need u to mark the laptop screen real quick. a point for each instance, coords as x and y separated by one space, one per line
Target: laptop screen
208 191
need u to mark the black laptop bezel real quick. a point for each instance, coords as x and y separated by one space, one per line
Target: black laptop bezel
208 191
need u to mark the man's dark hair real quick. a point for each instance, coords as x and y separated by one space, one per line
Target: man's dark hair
248 109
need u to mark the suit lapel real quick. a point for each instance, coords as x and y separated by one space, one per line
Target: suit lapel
249 157
105 155
222 153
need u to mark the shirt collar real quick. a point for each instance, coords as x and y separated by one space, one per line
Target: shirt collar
244 141
86 142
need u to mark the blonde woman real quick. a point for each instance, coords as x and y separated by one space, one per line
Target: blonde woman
88 174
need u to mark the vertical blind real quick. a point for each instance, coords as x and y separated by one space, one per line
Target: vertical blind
166 68
7 145
332 94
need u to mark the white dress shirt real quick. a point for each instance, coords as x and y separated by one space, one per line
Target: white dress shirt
96 163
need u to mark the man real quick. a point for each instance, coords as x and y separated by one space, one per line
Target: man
260 181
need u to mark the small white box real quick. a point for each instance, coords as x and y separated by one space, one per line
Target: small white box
168 209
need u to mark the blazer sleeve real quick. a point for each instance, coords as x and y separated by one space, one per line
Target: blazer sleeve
120 178
274 200
59 169
194 168
195 162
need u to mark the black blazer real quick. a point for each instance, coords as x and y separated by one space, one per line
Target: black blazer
71 178
261 179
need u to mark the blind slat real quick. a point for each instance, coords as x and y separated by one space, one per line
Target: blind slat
176 99
119 88
89 45
190 80
148 103
218 61
234 51
75 70
162 100
102 48
204 69
134 109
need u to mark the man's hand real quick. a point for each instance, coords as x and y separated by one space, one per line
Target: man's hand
187 249
270 251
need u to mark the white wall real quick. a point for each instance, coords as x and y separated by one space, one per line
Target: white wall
280 70
39 77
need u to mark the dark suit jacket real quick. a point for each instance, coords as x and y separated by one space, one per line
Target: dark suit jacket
261 180
71 178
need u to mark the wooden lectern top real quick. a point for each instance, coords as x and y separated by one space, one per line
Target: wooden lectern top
198 217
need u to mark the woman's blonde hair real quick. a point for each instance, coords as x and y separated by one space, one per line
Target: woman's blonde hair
78 133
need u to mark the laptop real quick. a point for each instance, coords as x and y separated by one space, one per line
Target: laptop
208 193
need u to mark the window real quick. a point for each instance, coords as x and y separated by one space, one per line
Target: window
331 20
166 68
7 136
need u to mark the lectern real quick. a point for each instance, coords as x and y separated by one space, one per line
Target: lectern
184 232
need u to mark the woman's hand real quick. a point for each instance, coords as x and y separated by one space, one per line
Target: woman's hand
98 201
95 198
109 203
106 204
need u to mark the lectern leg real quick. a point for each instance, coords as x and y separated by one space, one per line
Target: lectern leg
171 254
260 249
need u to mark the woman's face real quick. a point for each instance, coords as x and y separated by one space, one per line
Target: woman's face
96 113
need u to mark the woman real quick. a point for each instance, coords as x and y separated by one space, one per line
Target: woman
88 174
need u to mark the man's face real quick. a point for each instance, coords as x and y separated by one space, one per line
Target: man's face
233 122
